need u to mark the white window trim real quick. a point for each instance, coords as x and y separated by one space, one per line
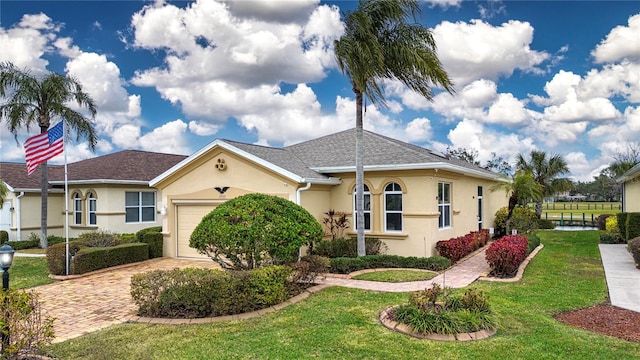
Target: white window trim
140 207
355 212
393 192
91 197
77 208
442 206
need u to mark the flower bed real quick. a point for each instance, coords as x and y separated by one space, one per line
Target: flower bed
506 254
455 249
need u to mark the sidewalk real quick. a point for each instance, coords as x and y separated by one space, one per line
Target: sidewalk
623 279
460 275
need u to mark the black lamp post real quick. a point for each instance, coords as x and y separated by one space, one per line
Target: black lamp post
6 259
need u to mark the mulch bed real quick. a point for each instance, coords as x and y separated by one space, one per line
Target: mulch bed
605 319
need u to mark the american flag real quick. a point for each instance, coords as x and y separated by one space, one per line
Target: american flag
42 147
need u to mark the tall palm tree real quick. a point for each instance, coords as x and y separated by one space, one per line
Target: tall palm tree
380 43
546 171
30 100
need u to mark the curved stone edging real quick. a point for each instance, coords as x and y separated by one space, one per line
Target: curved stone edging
168 321
518 276
386 320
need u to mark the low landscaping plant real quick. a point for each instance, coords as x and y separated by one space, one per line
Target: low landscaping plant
533 241
4 236
347 247
95 258
506 254
348 265
622 222
436 311
633 225
155 241
196 293
455 249
26 329
100 238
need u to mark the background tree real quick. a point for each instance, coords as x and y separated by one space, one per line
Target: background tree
30 100
381 43
3 193
546 172
470 156
624 161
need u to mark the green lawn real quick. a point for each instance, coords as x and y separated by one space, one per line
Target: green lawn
27 272
397 275
340 323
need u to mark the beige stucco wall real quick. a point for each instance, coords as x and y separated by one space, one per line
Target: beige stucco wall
195 183
632 195
27 209
420 207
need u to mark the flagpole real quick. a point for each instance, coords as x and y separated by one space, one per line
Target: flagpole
66 197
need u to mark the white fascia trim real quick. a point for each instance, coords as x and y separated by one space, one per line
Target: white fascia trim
9 187
26 190
423 166
286 173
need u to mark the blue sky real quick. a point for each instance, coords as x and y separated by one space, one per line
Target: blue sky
562 77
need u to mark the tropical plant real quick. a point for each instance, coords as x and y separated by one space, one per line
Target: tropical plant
546 171
624 161
32 100
380 43
519 188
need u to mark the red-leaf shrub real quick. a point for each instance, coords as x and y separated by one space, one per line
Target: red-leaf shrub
455 249
506 254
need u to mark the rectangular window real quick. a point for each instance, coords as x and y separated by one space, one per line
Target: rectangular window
393 207
77 210
93 220
140 207
367 209
444 205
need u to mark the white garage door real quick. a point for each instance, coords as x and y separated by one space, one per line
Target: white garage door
188 217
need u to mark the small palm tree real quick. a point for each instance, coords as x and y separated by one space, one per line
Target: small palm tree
546 172
520 188
380 43
39 101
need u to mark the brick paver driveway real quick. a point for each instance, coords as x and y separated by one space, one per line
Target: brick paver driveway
99 300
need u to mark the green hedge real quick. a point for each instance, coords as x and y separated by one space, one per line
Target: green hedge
345 265
95 258
622 222
56 256
632 225
4 236
140 233
194 293
24 244
155 242
347 247
533 242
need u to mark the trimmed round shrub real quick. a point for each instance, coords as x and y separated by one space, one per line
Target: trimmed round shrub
255 230
140 234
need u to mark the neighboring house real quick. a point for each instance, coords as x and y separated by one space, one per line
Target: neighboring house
109 192
413 197
631 189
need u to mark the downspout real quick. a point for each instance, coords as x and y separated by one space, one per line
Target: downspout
18 212
306 187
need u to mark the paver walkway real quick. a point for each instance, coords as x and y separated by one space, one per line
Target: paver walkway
97 301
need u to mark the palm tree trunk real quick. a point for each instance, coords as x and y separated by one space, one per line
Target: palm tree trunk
359 174
539 209
44 191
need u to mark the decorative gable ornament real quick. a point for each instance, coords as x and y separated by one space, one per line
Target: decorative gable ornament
221 165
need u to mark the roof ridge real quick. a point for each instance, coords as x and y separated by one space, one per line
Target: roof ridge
411 147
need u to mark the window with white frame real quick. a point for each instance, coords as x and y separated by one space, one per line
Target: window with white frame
366 209
444 205
393 207
140 206
91 208
77 209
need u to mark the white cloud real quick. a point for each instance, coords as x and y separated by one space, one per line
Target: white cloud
478 50
621 79
29 40
202 128
580 167
168 138
621 43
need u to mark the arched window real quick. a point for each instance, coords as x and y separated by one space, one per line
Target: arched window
91 208
367 209
77 209
393 207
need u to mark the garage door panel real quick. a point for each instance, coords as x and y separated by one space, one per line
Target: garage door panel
188 217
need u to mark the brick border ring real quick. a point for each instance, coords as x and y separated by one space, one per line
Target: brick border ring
391 324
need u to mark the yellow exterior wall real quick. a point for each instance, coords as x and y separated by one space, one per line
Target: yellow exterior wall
632 195
195 185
